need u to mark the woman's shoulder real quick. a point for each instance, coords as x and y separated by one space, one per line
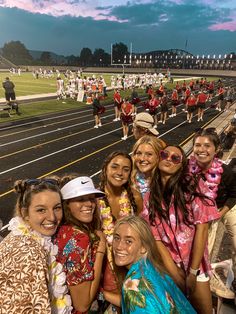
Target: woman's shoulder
71 234
19 246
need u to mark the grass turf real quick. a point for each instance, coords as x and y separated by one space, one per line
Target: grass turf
26 84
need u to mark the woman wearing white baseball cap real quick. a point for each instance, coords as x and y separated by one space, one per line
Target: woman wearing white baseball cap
81 246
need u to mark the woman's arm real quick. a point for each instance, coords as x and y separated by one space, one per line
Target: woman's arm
198 248
84 293
175 272
138 200
112 297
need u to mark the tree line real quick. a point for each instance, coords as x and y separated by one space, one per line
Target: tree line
17 53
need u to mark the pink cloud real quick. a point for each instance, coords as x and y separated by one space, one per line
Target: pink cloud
227 26
61 8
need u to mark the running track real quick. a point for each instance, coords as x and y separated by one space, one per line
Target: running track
67 142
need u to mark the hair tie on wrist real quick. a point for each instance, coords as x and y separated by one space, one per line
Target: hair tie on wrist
100 252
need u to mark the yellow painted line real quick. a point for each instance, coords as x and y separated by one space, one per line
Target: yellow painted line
45 143
67 165
40 127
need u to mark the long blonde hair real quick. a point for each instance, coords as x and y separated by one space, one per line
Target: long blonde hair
143 230
156 144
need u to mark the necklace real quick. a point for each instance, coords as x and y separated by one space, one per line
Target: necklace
60 300
107 218
142 183
212 175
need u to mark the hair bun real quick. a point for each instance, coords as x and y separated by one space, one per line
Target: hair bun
19 186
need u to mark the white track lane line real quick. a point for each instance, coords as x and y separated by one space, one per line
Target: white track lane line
57 152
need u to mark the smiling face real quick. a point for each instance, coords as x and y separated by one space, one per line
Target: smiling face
168 163
145 159
45 212
204 151
118 171
83 207
127 246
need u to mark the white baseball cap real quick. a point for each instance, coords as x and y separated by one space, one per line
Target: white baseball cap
145 120
78 187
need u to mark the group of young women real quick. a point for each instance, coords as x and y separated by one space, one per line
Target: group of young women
138 244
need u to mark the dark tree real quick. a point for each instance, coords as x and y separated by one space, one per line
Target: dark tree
120 53
86 57
101 58
72 60
17 53
46 58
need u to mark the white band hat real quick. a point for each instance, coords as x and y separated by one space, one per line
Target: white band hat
78 187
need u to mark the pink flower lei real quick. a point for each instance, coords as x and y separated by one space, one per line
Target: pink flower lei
212 175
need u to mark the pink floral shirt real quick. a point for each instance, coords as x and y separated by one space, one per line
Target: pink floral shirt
178 238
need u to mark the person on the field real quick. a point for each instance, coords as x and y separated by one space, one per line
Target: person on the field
126 117
191 106
164 108
10 95
98 109
202 98
221 92
9 86
174 102
134 100
117 104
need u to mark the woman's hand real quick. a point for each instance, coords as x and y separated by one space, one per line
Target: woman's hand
191 281
102 241
180 279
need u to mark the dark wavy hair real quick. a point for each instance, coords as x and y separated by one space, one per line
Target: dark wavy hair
181 185
127 185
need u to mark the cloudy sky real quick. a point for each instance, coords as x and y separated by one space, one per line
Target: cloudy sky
66 26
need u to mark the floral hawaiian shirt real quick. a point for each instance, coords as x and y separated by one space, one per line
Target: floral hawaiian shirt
178 236
145 290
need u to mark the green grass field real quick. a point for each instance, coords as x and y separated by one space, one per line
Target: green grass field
26 84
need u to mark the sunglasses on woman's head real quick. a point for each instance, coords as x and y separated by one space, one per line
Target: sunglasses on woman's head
41 181
175 158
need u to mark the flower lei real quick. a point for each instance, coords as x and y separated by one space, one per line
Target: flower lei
212 175
142 183
60 301
107 218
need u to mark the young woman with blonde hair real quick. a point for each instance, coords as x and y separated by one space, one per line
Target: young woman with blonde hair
147 287
145 160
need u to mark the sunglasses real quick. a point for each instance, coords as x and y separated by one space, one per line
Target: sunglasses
30 182
175 158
